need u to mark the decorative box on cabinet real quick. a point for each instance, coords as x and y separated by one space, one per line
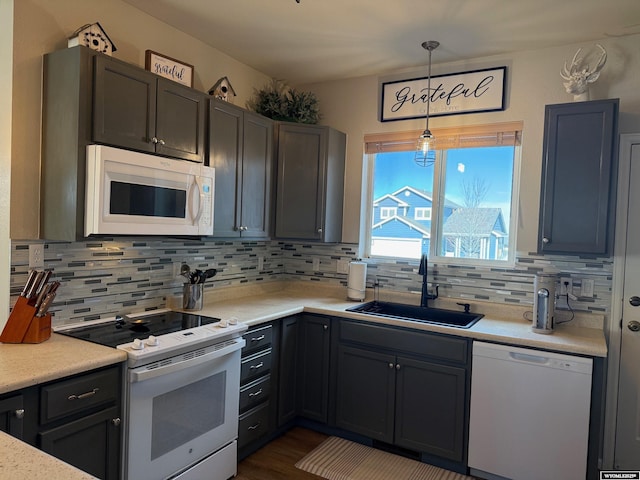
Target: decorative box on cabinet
241 150
310 182
121 105
577 197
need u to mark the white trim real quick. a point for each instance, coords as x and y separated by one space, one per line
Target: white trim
612 327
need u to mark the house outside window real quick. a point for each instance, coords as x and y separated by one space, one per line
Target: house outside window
461 208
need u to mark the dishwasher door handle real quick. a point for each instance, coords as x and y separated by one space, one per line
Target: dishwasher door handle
523 357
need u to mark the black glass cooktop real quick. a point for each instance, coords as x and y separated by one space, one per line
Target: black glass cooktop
126 330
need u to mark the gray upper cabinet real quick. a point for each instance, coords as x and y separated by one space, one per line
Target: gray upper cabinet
91 98
135 109
578 171
310 182
241 150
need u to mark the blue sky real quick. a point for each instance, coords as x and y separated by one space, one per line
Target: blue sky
494 165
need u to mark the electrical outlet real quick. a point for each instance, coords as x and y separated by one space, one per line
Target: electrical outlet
587 287
343 266
176 269
316 264
36 256
566 285
260 264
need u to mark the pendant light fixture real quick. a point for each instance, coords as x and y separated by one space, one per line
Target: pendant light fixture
425 153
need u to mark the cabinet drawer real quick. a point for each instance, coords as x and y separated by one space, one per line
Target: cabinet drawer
255 365
255 393
77 394
436 346
257 339
253 425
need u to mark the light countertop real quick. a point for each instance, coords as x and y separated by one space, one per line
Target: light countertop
24 365
502 323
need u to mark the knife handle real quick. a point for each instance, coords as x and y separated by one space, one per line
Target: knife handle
30 279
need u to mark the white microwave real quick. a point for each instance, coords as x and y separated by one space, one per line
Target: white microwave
131 193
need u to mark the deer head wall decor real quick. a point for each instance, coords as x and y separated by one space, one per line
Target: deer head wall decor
578 77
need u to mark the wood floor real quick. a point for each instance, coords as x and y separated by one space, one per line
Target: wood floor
276 460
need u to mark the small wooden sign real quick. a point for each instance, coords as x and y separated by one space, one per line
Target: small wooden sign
168 67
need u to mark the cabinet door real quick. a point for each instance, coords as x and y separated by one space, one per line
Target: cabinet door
313 367
430 408
124 107
225 155
91 443
180 121
287 382
365 392
11 415
257 165
576 198
301 179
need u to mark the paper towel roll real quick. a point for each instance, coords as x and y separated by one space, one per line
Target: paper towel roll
357 280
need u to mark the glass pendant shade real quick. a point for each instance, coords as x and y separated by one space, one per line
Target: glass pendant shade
425 149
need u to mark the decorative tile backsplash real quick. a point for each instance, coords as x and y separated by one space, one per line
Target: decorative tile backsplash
104 277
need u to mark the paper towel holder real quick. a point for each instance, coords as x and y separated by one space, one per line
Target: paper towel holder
357 280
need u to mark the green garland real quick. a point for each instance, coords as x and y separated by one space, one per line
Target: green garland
279 102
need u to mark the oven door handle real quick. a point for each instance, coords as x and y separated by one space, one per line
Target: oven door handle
144 373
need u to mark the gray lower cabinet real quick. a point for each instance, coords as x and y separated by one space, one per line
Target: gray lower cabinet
402 387
577 197
313 367
241 150
76 419
257 399
310 182
80 421
12 415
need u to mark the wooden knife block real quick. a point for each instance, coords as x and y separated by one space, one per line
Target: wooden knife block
24 327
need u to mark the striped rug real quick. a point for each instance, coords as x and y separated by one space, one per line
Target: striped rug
339 459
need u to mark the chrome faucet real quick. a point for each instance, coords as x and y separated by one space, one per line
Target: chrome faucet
422 270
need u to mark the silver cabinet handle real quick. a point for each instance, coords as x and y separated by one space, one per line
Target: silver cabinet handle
634 326
260 365
161 142
545 240
19 414
398 366
154 140
257 339
83 395
390 365
319 230
115 422
253 427
326 327
255 394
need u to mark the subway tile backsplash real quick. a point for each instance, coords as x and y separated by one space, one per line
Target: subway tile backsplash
104 277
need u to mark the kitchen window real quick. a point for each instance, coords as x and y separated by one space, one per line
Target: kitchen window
460 208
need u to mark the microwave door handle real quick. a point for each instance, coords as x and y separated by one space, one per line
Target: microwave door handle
196 185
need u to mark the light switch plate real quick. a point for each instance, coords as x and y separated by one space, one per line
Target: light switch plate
343 266
566 285
587 288
316 264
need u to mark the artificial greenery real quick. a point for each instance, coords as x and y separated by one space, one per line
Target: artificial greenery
280 102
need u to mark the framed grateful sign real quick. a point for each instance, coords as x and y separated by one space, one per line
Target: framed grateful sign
451 94
168 67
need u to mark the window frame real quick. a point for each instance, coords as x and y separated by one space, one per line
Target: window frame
481 136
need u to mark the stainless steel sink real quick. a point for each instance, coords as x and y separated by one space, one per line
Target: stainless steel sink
439 316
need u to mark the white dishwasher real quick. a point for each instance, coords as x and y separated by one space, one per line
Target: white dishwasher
529 414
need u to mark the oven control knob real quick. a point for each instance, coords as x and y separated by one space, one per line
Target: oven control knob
137 344
152 341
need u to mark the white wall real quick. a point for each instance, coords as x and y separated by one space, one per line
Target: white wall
533 82
6 78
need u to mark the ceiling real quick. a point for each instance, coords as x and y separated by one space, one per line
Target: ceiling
319 40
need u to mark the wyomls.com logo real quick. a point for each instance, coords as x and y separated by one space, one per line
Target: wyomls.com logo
617 474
